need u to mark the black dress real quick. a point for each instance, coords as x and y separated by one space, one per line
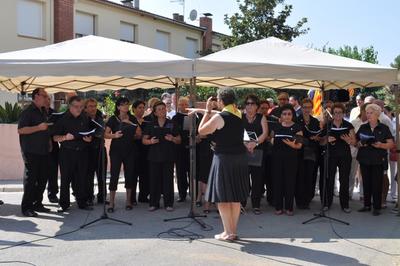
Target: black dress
229 180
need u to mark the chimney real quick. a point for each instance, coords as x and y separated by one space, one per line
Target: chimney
137 4
63 20
181 18
127 3
175 16
206 22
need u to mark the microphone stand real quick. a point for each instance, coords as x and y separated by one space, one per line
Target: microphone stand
325 176
103 171
192 177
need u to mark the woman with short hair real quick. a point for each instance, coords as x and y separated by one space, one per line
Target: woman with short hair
374 139
341 136
257 128
228 183
161 135
285 160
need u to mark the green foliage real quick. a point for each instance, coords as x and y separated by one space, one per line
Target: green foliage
396 63
367 54
257 20
108 106
9 114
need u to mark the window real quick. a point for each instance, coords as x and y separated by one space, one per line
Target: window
162 40
216 47
30 18
84 24
127 32
191 48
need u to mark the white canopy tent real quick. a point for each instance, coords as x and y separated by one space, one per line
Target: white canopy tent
274 63
91 63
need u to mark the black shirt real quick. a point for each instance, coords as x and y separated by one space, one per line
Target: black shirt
179 119
229 139
338 147
98 124
311 129
73 125
38 142
370 155
164 150
254 126
126 143
280 133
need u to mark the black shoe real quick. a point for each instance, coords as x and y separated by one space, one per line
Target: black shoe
198 204
41 209
53 199
346 210
30 213
181 199
86 207
62 209
110 210
365 209
90 203
1 202
376 212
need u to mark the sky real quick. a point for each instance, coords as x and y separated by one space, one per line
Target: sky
333 23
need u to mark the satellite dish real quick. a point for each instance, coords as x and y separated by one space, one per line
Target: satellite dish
193 15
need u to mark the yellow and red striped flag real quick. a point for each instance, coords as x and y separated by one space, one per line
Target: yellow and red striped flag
316 97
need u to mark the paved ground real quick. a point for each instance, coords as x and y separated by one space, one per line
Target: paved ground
265 240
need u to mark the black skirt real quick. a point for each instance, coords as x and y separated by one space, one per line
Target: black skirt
229 179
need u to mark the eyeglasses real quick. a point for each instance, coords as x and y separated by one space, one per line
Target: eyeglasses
250 103
286 113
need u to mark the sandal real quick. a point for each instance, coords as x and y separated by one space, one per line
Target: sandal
256 211
289 213
206 211
278 212
198 204
169 209
152 208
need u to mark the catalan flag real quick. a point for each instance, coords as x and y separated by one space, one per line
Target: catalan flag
316 97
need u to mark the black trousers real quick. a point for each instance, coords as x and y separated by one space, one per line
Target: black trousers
95 167
117 160
305 183
344 164
268 177
141 174
35 179
183 171
257 185
372 177
52 184
73 168
161 181
284 172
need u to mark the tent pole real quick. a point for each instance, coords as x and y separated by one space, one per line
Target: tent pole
397 111
192 177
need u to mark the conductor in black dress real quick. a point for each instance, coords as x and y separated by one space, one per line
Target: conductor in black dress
228 183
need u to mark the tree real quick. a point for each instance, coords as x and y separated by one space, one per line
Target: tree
257 21
365 54
396 63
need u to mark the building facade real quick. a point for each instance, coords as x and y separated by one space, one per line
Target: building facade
33 23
